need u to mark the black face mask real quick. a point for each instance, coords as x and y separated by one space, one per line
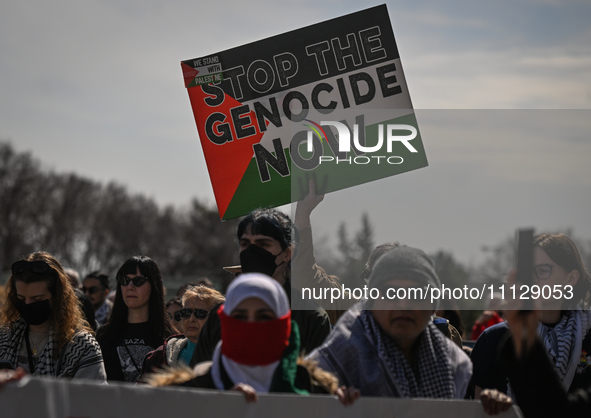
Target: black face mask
34 313
255 259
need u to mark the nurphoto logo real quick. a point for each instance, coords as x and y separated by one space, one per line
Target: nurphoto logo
343 138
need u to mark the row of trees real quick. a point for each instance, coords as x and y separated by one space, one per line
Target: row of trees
87 225
354 249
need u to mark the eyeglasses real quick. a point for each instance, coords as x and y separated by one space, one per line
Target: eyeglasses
36 267
187 312
543 271
90 290
137 281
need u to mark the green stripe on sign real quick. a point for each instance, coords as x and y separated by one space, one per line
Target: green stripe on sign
329 175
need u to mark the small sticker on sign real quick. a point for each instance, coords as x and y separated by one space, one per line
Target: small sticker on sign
207 70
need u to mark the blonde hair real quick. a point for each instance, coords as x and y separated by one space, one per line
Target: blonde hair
66 315
208 295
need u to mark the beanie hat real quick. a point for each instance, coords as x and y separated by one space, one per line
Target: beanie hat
404 263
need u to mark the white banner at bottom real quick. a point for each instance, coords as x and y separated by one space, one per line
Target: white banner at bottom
41 397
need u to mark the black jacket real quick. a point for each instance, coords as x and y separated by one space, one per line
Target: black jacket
537 390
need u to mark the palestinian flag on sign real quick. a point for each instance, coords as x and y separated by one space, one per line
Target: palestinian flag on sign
260 108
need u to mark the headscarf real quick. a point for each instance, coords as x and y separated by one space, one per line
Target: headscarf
240 351
257 285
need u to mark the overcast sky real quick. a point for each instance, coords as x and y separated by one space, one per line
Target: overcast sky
95 87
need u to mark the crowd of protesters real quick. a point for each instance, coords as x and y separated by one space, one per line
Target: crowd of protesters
255 340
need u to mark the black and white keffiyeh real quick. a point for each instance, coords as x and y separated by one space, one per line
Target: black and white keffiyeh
432 376
564 343
11 340
83 351
102 313
362 356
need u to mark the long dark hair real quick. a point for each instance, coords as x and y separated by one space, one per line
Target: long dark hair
157 319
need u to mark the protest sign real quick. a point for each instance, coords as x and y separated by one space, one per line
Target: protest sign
328 101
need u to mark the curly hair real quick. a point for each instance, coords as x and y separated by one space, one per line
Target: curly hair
66 316
208 295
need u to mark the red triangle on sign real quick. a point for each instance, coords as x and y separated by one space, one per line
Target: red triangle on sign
228 162
189 73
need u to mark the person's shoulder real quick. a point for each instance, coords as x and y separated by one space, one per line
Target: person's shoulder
10 327
457 352
352 314
348 324
5 334
496 331
83 336
5 329
488 342
83 342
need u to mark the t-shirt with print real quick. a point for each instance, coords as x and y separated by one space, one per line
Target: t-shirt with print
124 358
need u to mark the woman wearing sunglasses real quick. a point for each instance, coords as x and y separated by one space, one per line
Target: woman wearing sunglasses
565 323
197 301
138 322
172 306
42 328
